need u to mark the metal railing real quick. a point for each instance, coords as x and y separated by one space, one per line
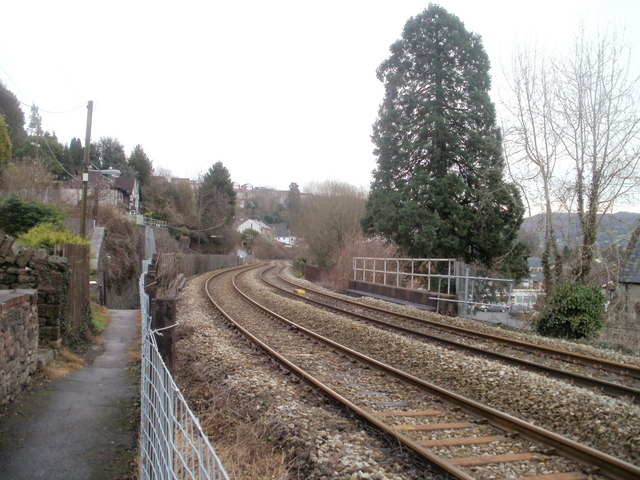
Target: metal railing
431 274
472 289
147 221
172 442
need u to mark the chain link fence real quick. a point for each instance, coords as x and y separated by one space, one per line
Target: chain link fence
172 442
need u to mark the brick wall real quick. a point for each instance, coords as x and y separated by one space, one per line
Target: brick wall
18 341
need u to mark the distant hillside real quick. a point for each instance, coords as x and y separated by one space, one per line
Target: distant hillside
614 228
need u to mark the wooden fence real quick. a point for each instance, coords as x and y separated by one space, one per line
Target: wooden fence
78 294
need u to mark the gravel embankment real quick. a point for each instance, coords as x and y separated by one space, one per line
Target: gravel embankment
320 440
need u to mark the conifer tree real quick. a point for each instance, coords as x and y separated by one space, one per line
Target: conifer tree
438 188
140 162
216 197
5 144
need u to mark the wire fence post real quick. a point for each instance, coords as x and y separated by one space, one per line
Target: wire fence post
172 443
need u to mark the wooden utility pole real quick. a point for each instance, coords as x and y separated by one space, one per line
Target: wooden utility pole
85 174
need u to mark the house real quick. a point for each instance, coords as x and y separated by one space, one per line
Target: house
103 189
623 315
628 291
527 292
283 234
128 192
256 226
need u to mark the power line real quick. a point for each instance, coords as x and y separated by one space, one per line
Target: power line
54 157
54 112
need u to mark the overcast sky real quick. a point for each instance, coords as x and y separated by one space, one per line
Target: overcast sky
278 91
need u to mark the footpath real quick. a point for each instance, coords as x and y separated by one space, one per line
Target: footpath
78 427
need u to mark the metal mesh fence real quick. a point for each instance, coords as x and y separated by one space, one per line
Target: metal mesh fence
172 442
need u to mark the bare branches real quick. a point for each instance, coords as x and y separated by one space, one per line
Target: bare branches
575 132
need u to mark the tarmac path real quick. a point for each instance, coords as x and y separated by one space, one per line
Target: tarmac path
78 427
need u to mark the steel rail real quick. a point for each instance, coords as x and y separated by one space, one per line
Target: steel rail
611 466
615 367
605 386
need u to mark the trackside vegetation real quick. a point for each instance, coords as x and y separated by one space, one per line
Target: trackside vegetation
572 311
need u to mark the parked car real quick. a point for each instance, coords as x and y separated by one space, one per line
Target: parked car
521 309
494 307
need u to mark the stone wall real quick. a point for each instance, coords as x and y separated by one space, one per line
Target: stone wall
27 268
18 341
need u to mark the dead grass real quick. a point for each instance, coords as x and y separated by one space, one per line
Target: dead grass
134 351
65 362
243 437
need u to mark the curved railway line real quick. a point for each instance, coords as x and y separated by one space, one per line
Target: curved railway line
459 435
606 376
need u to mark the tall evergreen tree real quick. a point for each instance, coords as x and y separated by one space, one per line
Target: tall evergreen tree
141 163
110 154
438 188
293 205
76 154
35 122
13 115
5 144
217 198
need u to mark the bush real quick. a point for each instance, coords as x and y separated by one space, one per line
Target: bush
19 216
572 311
298 267
341 270
47 235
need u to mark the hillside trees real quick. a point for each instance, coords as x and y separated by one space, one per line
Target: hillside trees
109 153
265 205
438 188
45 149
29 179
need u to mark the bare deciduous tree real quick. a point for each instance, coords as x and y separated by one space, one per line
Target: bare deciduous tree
598 122
533 147
29 179
330 217
574 137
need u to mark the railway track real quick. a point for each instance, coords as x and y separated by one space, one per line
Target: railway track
460 436
611 378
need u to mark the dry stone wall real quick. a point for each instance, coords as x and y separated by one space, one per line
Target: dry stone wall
27 268
18 341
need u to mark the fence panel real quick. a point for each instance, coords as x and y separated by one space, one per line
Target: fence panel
78 295
172 442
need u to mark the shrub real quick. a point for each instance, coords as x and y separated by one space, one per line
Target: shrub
572 311
47 235
19 216
298 267
341 270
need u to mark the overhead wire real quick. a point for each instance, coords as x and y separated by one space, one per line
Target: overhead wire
54 112
54 157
